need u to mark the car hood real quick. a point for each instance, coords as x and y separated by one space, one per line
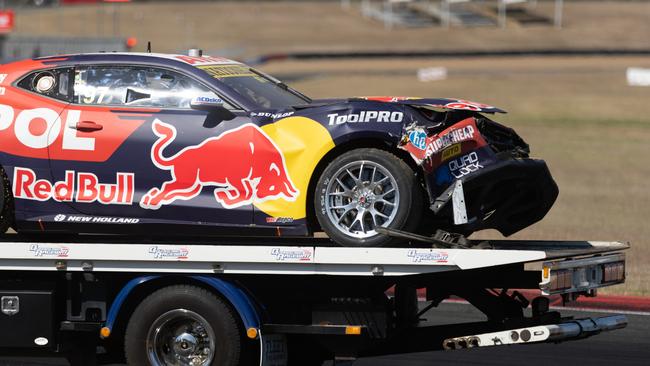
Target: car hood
434 103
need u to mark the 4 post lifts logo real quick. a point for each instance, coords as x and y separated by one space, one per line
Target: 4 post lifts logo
291 255
58 251
167 252
424 256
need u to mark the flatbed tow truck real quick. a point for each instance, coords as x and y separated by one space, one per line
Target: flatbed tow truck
276 302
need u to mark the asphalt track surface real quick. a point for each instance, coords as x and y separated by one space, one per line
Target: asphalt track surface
629 346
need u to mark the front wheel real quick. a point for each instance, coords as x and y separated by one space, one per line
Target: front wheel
364 189
182 326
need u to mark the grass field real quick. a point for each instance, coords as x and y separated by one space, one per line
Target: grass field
577 113
244 29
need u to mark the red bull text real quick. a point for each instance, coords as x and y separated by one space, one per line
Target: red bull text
86 188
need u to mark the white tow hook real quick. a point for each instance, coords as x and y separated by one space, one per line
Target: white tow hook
458 202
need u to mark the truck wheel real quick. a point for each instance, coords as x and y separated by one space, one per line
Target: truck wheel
182 325
6 203
364 189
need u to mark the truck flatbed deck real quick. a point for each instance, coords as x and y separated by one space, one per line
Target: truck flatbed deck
298 257
322 299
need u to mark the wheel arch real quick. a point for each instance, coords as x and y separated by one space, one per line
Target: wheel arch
137 289
341 148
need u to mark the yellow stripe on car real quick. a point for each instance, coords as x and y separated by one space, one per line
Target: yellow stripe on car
303 143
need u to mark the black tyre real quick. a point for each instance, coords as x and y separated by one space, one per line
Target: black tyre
182 325
364 189
6 203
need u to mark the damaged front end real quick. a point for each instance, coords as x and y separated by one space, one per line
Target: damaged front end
477 172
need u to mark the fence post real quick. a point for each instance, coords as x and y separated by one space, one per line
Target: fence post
502 13
559 4
365 8
388 15
446 13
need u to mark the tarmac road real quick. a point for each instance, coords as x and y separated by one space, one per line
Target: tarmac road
629 346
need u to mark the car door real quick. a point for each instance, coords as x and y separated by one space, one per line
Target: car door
150 157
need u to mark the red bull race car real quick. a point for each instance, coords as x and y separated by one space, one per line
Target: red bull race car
173 144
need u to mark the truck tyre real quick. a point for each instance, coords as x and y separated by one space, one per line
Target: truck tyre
363 189
6 203
182 325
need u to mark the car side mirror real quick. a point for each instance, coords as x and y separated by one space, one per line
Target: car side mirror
217 113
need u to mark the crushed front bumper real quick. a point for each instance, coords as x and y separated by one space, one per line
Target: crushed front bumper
508 196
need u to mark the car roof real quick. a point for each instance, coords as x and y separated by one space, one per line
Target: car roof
162 59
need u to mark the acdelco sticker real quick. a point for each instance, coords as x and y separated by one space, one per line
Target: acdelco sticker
77 186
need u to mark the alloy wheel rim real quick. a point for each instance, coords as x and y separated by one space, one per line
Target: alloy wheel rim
360 197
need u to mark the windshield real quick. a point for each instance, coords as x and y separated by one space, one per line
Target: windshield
255 86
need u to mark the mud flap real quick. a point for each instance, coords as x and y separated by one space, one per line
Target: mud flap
273 350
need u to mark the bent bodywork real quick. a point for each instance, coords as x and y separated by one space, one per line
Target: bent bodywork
503 188
450 140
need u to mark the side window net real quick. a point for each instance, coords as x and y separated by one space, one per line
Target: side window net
137 87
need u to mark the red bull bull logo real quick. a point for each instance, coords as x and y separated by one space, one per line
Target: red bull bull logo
243 164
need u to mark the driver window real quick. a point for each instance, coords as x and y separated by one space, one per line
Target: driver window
137 87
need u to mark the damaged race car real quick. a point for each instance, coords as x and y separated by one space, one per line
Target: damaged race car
198 145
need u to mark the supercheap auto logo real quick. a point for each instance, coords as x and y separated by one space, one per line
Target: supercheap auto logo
418 256
447 143
453 136
282 255
58 251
